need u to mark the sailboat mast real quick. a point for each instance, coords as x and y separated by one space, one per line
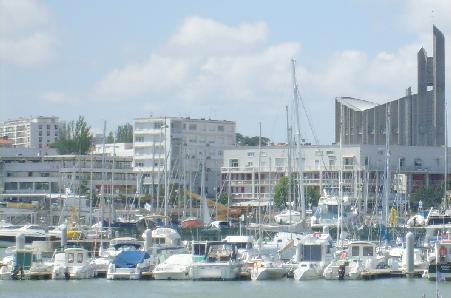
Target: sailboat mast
385 211
289 166
102 186
340 180
301 199
259 184
166 169
446 159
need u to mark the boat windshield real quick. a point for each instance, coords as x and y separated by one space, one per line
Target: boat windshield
311 253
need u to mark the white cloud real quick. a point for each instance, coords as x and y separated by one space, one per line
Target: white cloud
54 97
207 65
206 62
26 36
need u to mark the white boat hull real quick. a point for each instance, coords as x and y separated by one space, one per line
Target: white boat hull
214 271
268 273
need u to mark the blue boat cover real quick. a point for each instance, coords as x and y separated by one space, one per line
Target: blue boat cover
129 259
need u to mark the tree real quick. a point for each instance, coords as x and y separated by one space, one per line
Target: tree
312 194
223 199
74 138
250 141
281 193
124 133
430 196
110 138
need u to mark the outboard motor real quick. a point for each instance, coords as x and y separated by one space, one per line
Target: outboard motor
341 272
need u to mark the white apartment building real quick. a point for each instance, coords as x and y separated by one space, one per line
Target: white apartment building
411 167
25 171
185 144
37 132
116 149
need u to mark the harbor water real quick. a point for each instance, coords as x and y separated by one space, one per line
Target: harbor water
96 288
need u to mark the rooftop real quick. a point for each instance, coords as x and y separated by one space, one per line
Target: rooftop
356 104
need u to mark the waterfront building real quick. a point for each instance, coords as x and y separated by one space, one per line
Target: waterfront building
180 146
117 149
415 119
362 165
25 171
35 132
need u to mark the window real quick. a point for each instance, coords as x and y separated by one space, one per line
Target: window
367 161
40 126
220 128
40 133
250 163
139 139
402 162
233 163
367 251
80 258
56 127
355 251
70 257
418 162
250 154
48 126
192 127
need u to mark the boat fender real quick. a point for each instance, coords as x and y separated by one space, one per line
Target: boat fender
443 251
343 255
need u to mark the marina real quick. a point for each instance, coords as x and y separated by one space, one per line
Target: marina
226 159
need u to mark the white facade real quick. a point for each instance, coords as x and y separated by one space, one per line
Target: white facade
116 149
184 144
26 171
411 167
38 132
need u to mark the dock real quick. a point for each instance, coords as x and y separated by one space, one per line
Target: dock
387 273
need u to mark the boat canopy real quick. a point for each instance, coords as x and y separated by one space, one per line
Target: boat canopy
129 259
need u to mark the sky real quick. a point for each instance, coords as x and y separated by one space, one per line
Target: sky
227 60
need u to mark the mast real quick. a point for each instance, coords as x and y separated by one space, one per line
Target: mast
205 213
385 211
113 215
102 186
90 194
166 178
340 180
289 166
446 159
301 199
259 185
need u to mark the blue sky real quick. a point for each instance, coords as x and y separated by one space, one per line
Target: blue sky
118 60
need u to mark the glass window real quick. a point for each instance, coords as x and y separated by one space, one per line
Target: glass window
355 251
311 253
367 251
70 257
80 258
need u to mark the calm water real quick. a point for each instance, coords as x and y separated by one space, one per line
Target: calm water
398 288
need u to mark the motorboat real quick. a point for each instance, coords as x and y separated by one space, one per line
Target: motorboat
314 252
73 263
266 269
219 263
440 262
288 217
130 265
360 256
16 263
175 267
326 214
117 245
8 234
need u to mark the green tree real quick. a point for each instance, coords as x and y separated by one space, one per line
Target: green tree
312 194
281 193
74 137
110 138
124 133
430 196
223 199
250 141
